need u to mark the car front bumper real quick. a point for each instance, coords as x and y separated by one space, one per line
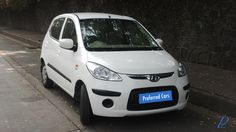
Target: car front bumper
121 103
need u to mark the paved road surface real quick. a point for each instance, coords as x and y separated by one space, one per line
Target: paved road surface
26 61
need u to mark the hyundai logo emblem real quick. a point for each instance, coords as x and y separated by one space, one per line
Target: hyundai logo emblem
153 78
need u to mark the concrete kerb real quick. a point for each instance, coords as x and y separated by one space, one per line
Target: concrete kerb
213 102
26 40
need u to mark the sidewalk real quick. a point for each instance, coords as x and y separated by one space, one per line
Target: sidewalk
211 87
33 38
24 108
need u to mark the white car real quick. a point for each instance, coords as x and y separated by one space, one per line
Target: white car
112 66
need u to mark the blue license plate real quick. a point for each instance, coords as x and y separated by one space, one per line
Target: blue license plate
154 97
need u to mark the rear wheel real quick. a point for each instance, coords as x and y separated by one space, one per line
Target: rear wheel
86 114
47 83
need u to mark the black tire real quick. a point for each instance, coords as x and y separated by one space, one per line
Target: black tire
86 114
47 82
77 95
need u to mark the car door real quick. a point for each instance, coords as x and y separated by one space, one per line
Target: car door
68 58
52 45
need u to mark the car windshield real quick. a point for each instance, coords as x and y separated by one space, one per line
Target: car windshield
115 35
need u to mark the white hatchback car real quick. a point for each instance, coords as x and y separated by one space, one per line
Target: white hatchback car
112 66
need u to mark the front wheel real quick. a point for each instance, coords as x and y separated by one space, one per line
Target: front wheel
86 114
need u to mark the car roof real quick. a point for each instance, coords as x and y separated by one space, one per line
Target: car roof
91 15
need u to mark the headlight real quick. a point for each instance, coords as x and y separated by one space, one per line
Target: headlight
102 73
181 70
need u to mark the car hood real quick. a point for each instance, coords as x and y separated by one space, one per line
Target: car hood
135 62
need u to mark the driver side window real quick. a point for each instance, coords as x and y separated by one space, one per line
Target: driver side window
70 31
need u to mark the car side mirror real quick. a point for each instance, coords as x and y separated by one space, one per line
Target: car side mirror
66 44
159 41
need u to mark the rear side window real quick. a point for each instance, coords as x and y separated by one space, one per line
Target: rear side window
56 28
70 31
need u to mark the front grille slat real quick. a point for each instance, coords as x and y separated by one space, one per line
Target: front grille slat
138 77
165 75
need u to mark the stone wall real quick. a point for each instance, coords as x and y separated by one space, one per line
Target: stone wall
198 31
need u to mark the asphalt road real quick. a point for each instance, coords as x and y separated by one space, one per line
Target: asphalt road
193 118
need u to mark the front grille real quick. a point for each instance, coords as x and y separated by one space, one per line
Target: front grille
145 76
133 104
